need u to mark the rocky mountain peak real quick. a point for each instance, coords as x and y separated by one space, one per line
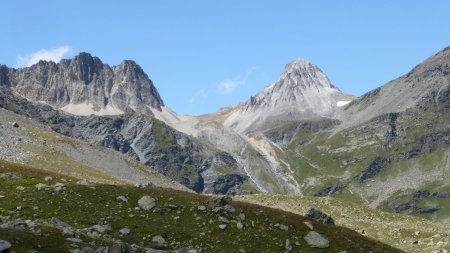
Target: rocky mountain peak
304 74
302 91
84 85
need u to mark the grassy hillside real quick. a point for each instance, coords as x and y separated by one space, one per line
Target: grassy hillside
406 232
183 219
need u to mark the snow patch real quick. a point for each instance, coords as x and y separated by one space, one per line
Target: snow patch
342 103
86 109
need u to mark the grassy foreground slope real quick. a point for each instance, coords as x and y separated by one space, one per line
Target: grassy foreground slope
31 219
407 232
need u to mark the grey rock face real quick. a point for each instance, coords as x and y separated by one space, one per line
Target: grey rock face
85 80
316 240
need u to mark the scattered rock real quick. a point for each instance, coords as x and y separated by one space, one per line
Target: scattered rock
47 179
223 220
124 232
84 182
59 188
159 242
15 124
57 223
284 227
288 245
122 199
229 209
74 240
316 240
239 225
201 208
119 248
223 226
5 246
87 250
241 217
147 202
309 225
103 229
41 186
218 201
320 216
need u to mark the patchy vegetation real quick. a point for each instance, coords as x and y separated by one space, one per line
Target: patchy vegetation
35 215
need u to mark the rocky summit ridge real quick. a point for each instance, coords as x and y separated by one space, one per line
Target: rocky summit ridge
85 85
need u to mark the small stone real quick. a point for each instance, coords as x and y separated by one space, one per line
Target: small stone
223 226
57 223
239 225
122 199
309 225
103 229
201 208
288 245
241 216
284 227
41 186
87 250
223 220
20 188
146 202
124 232
119 248
84 182
5 246
229 209
1 196
74 240
47 179
15 124
59 189
316 240
159 242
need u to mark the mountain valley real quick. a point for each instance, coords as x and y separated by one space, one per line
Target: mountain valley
297 144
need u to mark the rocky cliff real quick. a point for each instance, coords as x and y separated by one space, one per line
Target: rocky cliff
84 86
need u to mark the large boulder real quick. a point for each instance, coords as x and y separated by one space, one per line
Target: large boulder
316 240
5 246
146 202
320 216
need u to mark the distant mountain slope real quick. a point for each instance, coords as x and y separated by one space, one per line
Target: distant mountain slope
427 83
391 149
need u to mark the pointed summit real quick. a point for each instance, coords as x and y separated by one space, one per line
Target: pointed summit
302 91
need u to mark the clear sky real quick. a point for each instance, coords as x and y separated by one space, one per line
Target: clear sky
203 55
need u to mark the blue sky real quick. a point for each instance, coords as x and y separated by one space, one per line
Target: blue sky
203 55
